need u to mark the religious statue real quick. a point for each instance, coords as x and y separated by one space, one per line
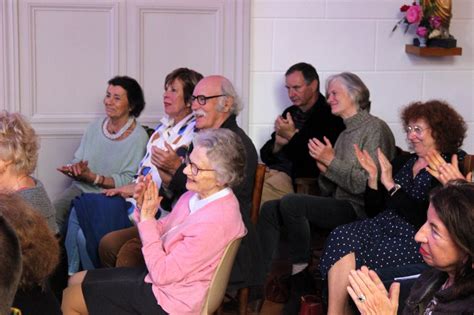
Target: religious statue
441 8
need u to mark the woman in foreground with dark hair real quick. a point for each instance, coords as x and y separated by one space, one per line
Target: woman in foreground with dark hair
446 244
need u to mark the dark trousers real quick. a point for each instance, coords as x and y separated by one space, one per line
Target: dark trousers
296 212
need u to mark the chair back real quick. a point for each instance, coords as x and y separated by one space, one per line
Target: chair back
219 280
257 192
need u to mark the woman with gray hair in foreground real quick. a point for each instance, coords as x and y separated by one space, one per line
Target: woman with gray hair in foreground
183 249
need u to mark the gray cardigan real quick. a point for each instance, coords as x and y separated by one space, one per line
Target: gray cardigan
345 179
39 200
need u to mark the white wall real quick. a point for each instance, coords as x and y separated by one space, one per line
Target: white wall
57 55
355 35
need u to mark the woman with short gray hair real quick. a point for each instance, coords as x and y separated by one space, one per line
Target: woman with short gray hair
357 90
183 249
228 162
342 180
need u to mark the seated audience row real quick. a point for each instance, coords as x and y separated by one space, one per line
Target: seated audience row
397 204
94 215
341 180
175 255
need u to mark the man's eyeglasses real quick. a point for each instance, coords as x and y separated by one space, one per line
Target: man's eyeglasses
416 129
194 168
201 99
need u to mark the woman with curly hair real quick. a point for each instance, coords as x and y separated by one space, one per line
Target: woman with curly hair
18 157
396 204
40 255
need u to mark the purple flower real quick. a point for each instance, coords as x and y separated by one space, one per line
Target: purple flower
435 22
414 14
422 31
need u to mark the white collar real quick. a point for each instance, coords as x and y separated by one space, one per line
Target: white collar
195 203
169 122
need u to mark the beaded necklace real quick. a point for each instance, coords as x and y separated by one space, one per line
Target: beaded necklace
114 136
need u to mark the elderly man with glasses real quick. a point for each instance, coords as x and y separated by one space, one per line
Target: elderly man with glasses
215 104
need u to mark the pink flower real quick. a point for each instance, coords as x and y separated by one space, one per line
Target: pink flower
435 22
414 14
422 31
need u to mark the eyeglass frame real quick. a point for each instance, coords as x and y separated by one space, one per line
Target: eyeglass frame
202 99
416 129
194 168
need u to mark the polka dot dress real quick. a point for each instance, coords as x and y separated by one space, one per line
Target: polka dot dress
386 240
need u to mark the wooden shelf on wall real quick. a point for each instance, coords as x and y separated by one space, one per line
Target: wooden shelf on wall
433 51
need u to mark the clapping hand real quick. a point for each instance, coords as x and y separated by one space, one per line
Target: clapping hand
368 165
150 201
167 159
443 171
369 294
124 191
285 127
139 191
385 170
79 171
321 152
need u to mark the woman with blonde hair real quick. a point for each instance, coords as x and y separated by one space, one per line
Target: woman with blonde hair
18 158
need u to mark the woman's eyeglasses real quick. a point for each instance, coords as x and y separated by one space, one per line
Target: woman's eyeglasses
416 129
194 168
201 99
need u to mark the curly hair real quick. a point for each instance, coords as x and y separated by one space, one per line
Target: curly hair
454 205
225 152
448 128
18 142
39 247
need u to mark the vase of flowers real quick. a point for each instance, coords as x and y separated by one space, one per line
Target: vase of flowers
428 26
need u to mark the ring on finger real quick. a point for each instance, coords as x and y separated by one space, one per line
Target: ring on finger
362 298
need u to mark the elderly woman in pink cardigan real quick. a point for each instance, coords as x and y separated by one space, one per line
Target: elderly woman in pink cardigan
183 249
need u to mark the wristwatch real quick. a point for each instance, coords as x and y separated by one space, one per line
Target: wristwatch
394 189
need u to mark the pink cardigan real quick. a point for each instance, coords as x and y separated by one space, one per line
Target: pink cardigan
182 251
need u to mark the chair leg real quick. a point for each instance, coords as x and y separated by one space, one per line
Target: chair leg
243 294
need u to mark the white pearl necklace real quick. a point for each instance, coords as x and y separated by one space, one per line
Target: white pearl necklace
113 136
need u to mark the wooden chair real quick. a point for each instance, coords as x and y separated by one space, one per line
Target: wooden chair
257 192
243 293
220 279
